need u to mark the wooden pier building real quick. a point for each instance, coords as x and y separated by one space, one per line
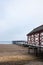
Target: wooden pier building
35 40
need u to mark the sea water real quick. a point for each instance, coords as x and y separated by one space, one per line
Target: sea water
5 42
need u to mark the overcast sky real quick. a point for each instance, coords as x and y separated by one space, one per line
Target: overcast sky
19 17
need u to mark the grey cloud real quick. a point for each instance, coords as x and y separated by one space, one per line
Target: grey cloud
18 17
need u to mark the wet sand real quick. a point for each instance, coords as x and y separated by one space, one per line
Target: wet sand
12 49
32 62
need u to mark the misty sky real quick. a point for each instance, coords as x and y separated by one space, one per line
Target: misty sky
19 17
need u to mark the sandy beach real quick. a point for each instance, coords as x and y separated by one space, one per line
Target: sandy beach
12 54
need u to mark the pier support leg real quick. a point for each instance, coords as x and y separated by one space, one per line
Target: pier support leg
40 51
35 51
28 50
